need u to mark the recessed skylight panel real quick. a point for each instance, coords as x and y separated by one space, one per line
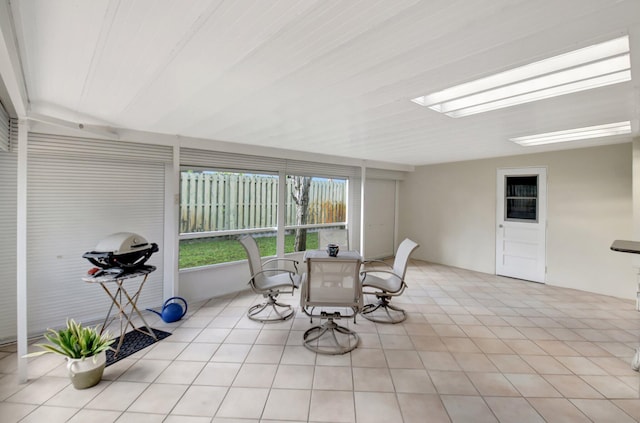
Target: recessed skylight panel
594 66
606 130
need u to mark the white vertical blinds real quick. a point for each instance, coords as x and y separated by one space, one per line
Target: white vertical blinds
13 134
4 129
81 191
217 159
89 148
305 168
8 199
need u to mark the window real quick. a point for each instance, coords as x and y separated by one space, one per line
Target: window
217 206
521 198
214 201
208 250
313 203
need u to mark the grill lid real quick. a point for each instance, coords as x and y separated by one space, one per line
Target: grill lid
121 252
122 243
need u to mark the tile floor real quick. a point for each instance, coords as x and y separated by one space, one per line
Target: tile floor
475 348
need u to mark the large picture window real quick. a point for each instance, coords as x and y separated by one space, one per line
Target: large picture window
217 206
313 203
214 201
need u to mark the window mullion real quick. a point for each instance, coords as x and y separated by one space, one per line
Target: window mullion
282 198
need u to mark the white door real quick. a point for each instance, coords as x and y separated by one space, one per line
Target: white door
379 218
521 223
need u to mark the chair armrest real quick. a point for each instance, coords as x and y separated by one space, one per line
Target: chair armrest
368 262
387 290
403 284
290 272
295 262
364 273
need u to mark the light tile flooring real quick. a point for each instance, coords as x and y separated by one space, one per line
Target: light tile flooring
475 348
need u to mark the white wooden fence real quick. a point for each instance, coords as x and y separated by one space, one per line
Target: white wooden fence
228 201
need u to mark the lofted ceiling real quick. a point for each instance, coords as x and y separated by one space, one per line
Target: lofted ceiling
326 76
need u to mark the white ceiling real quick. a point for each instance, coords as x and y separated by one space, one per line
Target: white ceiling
333 77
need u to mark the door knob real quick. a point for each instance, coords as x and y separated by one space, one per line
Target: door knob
500 225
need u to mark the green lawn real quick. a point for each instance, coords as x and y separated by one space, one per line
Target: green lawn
202 252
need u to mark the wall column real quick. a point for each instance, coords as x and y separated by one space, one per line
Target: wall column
21 251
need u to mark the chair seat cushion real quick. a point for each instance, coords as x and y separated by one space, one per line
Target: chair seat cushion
390 284
281 280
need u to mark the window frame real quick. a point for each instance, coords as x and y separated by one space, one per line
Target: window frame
280 230
507 198
342 225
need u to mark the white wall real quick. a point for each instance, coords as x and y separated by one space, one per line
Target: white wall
449 209
199 284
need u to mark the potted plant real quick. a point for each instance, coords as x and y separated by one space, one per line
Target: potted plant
84 348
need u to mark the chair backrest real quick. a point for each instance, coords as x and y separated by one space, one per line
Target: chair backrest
334 236
332 283
405 249
255 260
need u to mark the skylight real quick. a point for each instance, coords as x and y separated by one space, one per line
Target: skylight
606 130
590 67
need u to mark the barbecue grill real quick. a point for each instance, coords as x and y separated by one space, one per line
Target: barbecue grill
121 253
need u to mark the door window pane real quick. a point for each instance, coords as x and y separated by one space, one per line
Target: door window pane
521 198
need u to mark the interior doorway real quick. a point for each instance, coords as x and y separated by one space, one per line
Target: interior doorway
521 223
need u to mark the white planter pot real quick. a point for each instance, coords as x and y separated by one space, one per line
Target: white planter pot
86 372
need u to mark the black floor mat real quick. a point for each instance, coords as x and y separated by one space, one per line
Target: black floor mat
133 342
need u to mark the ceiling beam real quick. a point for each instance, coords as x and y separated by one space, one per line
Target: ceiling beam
11 74
100 131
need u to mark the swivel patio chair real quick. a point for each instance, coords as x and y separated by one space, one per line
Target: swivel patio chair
270 282
331 290
386 284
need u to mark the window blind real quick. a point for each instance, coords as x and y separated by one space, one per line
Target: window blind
8 204
97 149
306 168
4 129
217 159
79 192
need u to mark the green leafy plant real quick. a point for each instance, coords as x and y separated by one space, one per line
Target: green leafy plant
75 341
